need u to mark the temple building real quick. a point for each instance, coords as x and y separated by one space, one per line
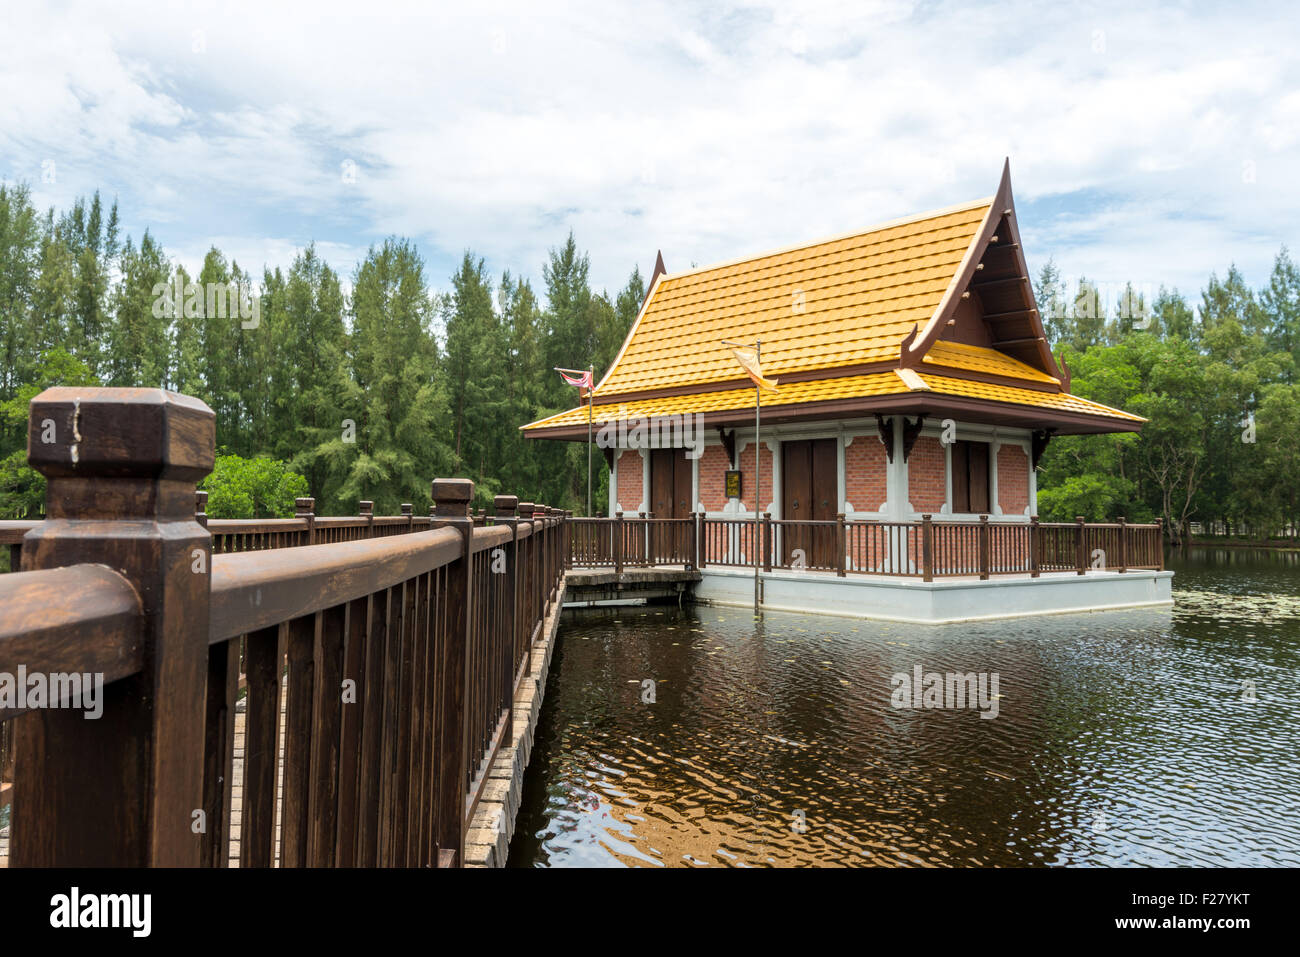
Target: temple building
914 377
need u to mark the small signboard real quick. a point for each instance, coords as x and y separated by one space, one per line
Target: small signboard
732 482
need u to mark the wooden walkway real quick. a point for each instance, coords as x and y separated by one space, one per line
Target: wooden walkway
236 789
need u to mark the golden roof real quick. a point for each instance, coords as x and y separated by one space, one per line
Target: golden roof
824 390
841 302
888 311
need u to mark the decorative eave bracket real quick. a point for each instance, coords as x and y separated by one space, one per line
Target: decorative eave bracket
1039 440
886 427
911 432
728 443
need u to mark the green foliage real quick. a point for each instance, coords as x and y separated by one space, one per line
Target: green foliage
22 488
259 487
1216 386
373 393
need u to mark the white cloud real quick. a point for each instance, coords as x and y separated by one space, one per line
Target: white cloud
708 132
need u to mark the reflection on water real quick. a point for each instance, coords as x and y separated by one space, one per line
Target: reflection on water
1121 738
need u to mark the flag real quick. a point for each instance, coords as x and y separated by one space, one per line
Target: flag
581 378
747 356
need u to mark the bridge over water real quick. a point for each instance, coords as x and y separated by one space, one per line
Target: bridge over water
369 682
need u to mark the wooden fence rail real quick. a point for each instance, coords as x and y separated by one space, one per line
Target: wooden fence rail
926 549
397 647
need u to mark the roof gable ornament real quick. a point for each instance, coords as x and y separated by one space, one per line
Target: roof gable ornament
659 270
1006 301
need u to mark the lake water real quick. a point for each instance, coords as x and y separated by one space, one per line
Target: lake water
1121 738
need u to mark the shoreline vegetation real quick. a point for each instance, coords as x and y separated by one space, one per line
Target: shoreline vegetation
368 387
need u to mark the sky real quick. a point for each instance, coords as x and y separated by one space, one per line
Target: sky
1151 143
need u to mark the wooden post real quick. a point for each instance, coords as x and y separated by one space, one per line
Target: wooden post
451 498
984 548
1034 533
767 541
618 543
927 548
122 790
1123 545
530 560
1160 544
840 542
505 509
200 510
408 511
689 553
306 508
367 511
1080 556
701 539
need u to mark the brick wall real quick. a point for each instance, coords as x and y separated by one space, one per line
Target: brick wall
747 477
927 475
1013 480
865 464
713 465
629 480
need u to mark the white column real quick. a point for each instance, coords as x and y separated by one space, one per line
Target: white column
996 508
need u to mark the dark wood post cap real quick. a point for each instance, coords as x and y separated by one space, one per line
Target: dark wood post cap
304 506
526 510
505 505
407 508
87 431
366 507
451 497
200 501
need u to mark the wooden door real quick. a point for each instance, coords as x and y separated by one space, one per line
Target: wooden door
979 477
825 501
970 477
670 498
796 494
809 493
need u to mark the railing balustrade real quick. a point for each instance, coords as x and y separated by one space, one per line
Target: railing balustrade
379 655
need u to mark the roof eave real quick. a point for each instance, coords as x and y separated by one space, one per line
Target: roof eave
930 404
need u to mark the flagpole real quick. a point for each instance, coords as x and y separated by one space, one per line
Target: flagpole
591 400
758 464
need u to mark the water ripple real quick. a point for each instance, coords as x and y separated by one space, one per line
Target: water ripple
1129 738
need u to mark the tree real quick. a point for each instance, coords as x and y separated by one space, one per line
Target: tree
139 352
400 407
260 487
474 370
22 488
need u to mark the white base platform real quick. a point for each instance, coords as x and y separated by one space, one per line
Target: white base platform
947 601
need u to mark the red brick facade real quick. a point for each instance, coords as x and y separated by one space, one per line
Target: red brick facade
865 485
865 465
630 487
927 475
747 477
713 463
1013 480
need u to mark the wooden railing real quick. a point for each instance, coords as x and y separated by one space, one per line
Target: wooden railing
392 659
925 549
257 534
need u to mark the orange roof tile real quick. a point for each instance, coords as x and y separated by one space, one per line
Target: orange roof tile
821 390
957 355
844 301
